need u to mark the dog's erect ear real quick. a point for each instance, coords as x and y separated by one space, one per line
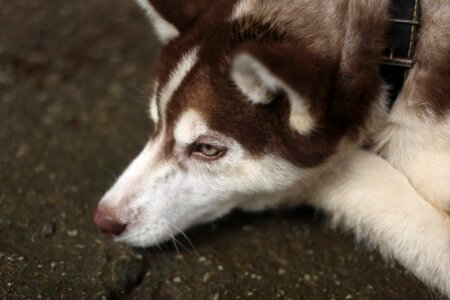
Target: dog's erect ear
263 71
170 17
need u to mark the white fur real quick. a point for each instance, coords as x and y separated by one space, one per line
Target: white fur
420 149
243 8
253 79
189 127
364 193
163 29
153 105
157 198
361 191
130 178
259 84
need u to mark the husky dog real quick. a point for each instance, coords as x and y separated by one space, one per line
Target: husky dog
266 103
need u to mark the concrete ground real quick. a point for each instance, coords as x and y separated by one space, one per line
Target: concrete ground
73 77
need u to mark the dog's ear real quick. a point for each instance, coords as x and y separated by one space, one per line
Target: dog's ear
261 72
171 17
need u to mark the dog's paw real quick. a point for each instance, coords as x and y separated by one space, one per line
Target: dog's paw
429 173
422 154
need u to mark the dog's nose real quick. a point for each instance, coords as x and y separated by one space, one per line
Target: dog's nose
108 223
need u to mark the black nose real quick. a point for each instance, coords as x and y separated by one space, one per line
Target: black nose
108 223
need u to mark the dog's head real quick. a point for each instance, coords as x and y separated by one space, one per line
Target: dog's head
243 105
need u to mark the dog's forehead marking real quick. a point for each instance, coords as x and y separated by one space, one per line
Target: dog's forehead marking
176 77
189 127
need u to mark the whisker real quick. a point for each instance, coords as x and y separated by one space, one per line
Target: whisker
187 239
180 243
113 174
174 240
137 95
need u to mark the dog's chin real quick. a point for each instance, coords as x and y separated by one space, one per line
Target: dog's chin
143 239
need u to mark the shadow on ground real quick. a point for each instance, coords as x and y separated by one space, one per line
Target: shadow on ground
73 113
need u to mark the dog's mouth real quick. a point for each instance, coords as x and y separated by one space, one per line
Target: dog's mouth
146 236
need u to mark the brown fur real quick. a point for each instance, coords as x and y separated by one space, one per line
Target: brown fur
181 13
341 82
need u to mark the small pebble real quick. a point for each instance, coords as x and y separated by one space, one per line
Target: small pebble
280 294
22 150
281 271
48 230
72 233
177 279
206 277
39 168
215 296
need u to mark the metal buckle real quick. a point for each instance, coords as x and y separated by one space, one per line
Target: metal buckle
399 61
396 61
409 22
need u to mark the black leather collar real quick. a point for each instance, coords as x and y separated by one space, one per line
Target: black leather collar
399 55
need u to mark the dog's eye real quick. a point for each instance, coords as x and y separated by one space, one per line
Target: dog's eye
207 151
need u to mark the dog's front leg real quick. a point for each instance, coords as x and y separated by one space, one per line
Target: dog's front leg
367 195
